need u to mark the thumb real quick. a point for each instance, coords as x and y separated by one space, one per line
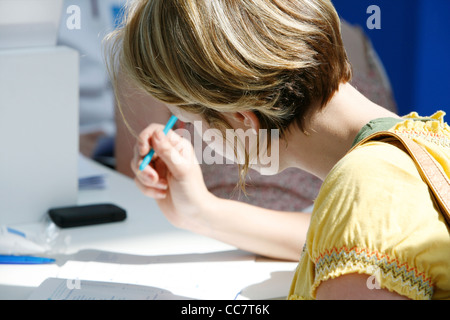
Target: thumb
169 151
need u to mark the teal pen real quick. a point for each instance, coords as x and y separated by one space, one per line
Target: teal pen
24 260
148 158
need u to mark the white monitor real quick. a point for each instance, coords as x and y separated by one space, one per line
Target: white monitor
39 101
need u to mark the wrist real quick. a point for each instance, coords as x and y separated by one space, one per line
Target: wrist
204 222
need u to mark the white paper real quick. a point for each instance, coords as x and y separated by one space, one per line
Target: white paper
224 275
190 276
67 289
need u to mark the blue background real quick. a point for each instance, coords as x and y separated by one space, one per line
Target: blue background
414 45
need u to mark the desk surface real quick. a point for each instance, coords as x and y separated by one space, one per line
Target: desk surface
148 236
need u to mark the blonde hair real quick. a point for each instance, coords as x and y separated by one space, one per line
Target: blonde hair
277 58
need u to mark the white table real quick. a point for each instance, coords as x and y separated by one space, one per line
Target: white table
147 236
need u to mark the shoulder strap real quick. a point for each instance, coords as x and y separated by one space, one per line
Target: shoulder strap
430 171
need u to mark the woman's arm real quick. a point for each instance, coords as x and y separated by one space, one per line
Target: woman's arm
354 287
274 234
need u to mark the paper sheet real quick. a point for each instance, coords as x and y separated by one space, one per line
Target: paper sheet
67 289
189 277
218 275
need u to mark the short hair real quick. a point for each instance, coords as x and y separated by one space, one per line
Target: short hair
281 59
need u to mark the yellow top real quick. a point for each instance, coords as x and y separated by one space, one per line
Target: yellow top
374 215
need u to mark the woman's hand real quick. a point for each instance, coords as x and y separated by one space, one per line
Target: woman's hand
174 178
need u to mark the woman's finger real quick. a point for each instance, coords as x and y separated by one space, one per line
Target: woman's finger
144 138
136 162
170 150
151 192
152 175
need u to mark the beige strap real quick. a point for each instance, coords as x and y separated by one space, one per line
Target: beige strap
430 171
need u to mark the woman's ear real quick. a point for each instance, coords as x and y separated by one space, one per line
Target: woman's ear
248 119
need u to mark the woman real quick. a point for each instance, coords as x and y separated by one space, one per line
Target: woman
261 65
291 190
